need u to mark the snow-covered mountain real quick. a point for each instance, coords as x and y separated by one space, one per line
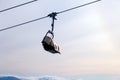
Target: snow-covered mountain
31 78
80 77
9 78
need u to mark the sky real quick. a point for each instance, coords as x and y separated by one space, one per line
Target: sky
89 38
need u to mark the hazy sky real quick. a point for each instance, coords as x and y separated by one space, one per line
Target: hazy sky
89 38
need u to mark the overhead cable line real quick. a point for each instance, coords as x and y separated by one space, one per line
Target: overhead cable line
55 13
23 23
77 7
17 6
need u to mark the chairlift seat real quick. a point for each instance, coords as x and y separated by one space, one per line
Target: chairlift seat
50 45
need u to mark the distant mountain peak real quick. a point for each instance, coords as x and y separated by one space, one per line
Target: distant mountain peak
9 78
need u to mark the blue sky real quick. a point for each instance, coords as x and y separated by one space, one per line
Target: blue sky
88 37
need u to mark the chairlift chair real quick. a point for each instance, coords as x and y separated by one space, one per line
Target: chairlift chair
49 45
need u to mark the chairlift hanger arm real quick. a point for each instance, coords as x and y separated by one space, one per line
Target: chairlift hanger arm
52 15
17 6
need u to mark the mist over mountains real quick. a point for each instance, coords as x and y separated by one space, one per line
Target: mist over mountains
80 77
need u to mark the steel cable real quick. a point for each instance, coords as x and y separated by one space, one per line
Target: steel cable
44 16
